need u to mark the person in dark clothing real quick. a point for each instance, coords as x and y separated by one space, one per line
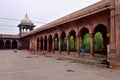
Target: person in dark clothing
83 49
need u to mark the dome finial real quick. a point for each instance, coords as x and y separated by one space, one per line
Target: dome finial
26 15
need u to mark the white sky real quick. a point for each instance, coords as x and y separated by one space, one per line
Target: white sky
38 10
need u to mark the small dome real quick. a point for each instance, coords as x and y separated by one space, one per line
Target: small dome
26 21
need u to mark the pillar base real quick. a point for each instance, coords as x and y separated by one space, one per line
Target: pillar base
77 54
59 51
114 63
53 52
68 53
92 55
114 60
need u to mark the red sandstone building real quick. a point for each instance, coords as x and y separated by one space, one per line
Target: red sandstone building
103 17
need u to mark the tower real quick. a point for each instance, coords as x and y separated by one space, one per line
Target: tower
25 24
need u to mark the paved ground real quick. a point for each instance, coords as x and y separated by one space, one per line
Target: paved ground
25 66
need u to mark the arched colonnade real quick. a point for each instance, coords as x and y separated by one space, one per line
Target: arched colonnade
72 39
8 44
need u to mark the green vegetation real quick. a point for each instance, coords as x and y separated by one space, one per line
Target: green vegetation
87 41
72 46
98 42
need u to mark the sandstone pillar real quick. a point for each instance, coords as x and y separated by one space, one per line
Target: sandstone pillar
59 44
78 45
115 34
53 45
112 30
48 44
68 44
40 45
43 45
91 45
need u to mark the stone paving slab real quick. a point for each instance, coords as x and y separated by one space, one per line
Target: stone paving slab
25 66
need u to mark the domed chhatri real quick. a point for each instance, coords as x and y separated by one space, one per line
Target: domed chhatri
25 24
26 21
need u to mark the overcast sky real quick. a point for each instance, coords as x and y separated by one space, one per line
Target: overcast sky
42 11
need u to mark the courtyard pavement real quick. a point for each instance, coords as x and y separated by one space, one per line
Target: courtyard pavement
25 66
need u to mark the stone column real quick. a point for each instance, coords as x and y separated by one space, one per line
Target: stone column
48 44
91 45
78 45
11 44
68 44
43 45
117 24
34 44
59 44
115 33
53 45
112 29
39 45
4 44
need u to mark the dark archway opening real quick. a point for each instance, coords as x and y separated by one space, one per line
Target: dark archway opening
85 39
38 44
63 43
14 44
72 40
41 42
56 42
8 44
100 39
1 44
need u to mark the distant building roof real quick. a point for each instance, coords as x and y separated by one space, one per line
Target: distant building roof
8 36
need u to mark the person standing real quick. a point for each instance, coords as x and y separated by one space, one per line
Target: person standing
83 49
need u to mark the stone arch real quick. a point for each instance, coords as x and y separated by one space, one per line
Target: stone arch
1 44
83 32
103 30
71 31
100 23
14 44
56 42
63 41
45 43
41 43
72 40
50 43
8 44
